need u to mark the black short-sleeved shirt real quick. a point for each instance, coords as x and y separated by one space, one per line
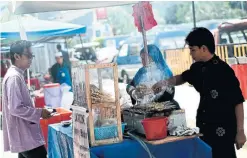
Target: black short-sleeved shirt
219 94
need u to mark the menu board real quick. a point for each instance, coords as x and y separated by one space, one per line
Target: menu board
80 133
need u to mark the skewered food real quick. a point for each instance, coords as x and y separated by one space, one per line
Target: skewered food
98 96
143 90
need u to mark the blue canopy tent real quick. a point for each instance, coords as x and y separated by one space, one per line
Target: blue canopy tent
48 33
37 29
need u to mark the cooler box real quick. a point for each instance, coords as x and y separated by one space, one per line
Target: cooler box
53 95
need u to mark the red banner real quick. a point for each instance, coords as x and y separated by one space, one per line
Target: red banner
145 10
101 13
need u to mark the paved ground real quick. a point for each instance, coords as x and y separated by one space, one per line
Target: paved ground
188 99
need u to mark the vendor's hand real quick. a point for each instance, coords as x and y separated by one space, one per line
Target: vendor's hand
158 86
142 91
45 114
136 94
240 139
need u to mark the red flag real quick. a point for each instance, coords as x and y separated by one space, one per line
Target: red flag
101 13
145 10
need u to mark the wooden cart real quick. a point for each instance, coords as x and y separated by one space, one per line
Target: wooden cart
82 78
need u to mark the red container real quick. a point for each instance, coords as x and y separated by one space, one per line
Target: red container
39 101
34 82
0 103
54 119
64 113
241 73
45 134
155 128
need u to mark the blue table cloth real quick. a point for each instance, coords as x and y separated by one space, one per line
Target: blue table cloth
60 145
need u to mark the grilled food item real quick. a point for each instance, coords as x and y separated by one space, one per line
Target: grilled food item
100 97
156 106
144 90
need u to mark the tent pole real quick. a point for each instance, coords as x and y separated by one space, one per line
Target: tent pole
146 62
82 45
194 13
23 36
80 40
66 44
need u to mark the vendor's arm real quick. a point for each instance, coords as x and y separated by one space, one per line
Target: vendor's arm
70 74
53 73
130 88
186 76
16 105
240 138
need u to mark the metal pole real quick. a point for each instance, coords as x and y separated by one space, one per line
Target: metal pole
194 13
23 36
82 45
143 35
242 6
66 43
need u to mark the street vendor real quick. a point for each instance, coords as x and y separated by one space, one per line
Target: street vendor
61 72
152 72
220 115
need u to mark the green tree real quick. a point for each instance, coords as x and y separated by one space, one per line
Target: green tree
121 19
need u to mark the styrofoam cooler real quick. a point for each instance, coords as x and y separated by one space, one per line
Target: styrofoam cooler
53 95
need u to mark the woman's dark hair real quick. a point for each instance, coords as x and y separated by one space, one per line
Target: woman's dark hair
200 36
18 48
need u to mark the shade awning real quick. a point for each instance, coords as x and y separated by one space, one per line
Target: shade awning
39 28
27 7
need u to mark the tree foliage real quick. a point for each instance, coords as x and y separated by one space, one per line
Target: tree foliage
178 12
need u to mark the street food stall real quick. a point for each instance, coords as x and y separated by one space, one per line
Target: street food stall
99 127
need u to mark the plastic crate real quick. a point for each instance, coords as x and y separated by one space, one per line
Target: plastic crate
107 132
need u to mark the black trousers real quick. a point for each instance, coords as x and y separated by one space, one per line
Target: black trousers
221 149
39 152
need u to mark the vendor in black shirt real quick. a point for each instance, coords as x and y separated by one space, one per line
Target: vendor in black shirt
220 115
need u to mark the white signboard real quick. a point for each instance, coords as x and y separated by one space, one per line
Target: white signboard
80 133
